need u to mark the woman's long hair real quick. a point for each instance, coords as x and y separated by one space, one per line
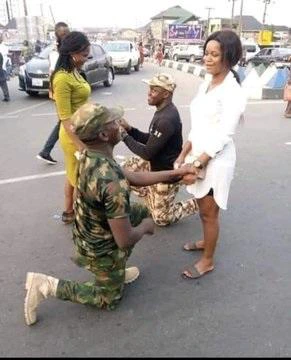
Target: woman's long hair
75 42
231 48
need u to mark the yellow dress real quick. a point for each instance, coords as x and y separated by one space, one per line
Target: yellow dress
70 91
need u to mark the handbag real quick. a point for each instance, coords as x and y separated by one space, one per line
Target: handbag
287 92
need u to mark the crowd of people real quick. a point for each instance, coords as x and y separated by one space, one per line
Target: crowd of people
106 224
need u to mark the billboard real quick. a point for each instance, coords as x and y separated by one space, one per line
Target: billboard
185 32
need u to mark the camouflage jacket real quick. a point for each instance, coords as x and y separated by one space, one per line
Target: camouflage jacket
102 193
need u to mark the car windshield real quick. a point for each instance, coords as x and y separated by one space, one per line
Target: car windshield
45 52
249 48
284 52
117 47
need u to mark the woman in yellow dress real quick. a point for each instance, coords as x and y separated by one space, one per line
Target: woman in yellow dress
70 91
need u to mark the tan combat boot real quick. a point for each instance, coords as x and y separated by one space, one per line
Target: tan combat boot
131 274
39 287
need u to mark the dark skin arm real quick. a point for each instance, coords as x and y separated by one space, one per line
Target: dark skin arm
127 236
150 178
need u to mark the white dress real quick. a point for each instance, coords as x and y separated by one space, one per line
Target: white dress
214 117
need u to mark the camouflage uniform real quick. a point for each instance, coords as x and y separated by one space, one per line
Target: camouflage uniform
159 198
102 193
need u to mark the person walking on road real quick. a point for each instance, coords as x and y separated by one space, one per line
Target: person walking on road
3 80
215 114
70 91
61 31
157 150
107 226
287 112
141 53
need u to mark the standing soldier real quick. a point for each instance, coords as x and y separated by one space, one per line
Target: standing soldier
157 150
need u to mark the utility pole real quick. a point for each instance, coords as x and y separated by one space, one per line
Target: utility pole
11 9
209 11
51 11
8 11
267 2
25 19
240 18
232 12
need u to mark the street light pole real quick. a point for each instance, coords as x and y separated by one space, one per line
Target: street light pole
267 2
232 12
209 10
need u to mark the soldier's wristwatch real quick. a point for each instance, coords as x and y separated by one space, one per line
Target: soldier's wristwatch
198 164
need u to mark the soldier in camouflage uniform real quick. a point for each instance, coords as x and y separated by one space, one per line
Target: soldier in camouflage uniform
157 150
106 226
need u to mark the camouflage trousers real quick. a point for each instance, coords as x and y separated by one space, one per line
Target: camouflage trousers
160 198
106 290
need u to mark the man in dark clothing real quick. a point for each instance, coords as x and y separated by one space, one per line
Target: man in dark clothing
3 80
157 150
61 31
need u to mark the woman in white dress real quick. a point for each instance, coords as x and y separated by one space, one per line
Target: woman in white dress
215 114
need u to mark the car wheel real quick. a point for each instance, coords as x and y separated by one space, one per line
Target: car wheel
109 80
32 93
136 68
128 69
192 59
175 57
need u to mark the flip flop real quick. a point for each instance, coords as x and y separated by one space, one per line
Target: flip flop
195 274
192 247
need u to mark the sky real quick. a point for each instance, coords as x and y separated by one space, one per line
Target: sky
136 13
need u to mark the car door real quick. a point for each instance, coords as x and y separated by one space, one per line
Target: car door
134 54
90 68
259 58
100 56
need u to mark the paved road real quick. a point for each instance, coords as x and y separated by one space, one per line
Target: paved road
242 309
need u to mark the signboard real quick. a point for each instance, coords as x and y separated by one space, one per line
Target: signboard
265 37
185 32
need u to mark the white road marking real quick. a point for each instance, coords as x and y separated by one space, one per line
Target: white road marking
29 178
106 93
9 117
27 108
46 114
264 102
288 143
129 109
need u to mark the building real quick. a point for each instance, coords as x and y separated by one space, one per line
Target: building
176 14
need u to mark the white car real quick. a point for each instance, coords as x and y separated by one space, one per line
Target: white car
189 53
124 54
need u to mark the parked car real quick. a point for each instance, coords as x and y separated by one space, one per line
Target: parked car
34 75
275 56
189 53
249 51
125 55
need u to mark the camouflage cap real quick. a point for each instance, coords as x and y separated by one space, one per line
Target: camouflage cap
89 119
162 80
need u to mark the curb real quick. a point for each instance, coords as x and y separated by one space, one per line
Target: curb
266 93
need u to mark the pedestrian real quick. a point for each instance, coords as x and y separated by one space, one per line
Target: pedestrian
70 91
159 54
215 114
141 53
3 80
157 150
61 31
107 226
26 51
287 113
